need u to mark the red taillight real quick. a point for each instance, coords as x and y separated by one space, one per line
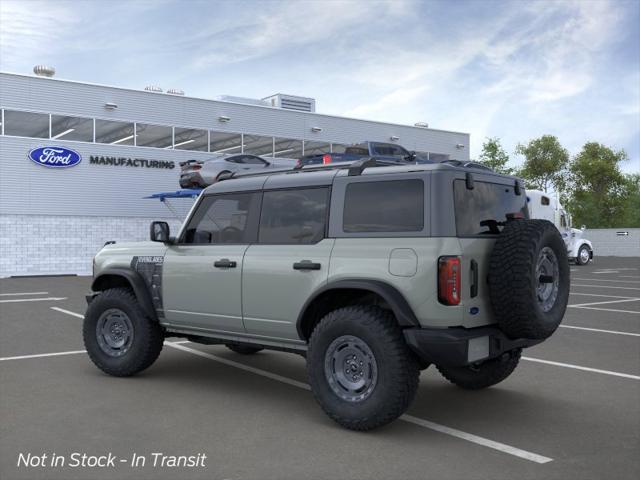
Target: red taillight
449 280
299 163
326 158
195 166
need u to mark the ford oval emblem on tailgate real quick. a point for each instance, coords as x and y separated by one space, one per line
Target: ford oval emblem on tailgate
55 157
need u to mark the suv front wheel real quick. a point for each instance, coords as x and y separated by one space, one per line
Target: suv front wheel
361 371
120 339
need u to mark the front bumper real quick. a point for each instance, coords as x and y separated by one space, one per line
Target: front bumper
459 346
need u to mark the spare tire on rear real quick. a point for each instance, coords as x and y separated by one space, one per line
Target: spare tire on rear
529 279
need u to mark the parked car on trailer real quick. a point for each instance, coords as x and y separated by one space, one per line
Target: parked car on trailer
202 173
389 153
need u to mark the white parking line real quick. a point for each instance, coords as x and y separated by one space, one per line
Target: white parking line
603 280
23 293
533 457
579 367
605 286
601 331
47 299
62 310
633 312
40 355
629 276
597 295
631 299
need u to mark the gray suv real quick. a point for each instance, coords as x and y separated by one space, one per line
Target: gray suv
370 273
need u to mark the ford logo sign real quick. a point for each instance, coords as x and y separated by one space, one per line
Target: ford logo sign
55 157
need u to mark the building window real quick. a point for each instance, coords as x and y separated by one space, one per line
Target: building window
114 133
258 145
316 148
71 128
389 206
225 143
191 139
287 148
157 136
26 124
293 216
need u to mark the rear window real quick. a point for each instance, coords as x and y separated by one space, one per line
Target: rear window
391 206
483 210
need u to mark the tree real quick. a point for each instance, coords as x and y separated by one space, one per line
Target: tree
599 192
494 156
545 163
631 209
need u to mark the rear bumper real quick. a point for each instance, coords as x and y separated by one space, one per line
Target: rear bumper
461 346
190 179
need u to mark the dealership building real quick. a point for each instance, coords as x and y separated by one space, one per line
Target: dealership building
77 159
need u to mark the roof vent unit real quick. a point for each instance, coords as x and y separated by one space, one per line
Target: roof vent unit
175 91
292 102
246 101
153 88
421 124
44 71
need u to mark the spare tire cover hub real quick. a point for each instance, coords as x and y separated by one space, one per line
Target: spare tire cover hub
547 273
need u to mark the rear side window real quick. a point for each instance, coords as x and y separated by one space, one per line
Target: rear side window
228 218
391 206
296 216
483 210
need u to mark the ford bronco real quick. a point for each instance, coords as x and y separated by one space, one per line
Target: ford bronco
370 273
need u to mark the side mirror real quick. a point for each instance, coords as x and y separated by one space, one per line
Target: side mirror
159 232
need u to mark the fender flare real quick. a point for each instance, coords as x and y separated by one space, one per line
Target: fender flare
135 281
396 301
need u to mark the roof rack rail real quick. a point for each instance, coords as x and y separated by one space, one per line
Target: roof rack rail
468 164
355 168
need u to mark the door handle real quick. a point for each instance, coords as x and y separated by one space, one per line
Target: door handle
224 263
306 265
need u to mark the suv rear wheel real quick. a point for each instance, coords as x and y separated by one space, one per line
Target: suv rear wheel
475 377
361 371
120 339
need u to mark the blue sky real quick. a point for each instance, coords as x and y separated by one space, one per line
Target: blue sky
515 70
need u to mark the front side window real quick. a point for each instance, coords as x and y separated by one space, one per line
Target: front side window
220 219
484 210
294 216
26 124
389 206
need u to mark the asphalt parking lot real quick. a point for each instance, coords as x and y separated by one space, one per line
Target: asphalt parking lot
571 409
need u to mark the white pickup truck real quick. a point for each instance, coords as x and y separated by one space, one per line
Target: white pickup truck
544 206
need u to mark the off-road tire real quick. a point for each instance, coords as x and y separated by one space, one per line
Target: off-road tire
243 349
147 340
579 256
513 283
397 368
484 375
